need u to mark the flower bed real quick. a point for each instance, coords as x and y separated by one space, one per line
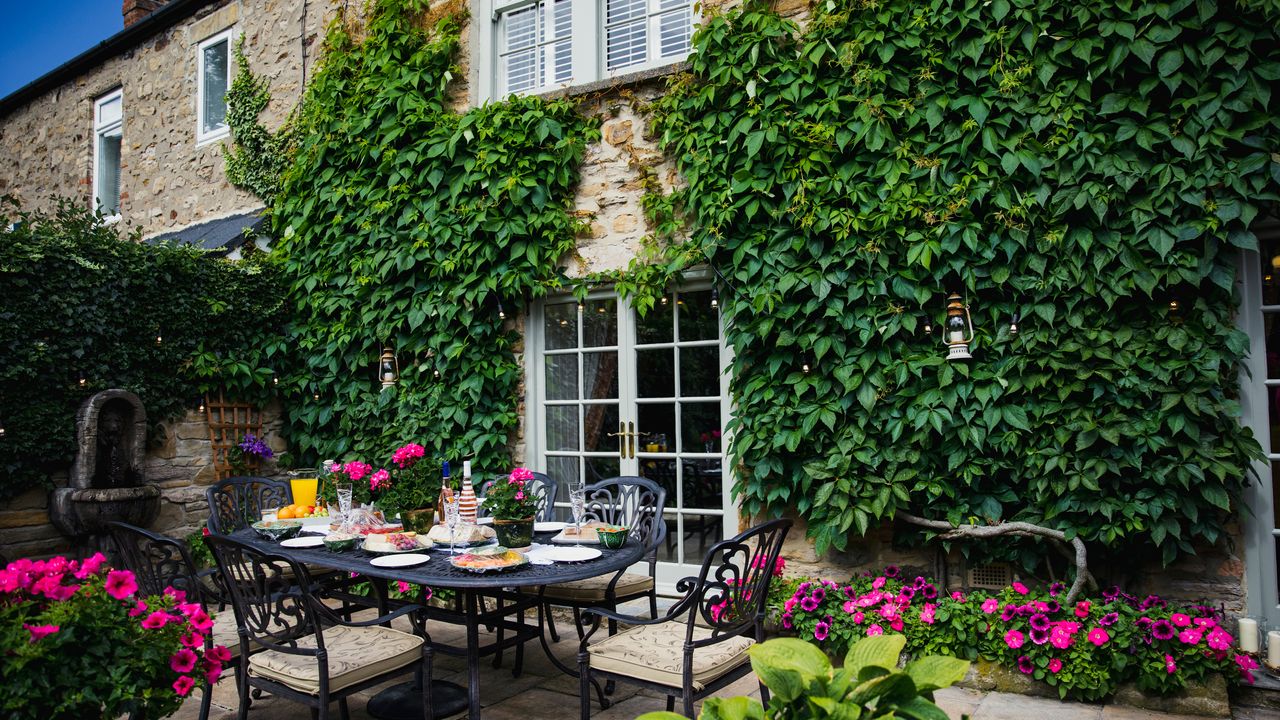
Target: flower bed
1084 650
76 640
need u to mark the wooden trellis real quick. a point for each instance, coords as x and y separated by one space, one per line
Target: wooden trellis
229 420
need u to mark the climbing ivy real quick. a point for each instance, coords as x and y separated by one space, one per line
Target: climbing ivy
83 309
257 156
404 224
1080 165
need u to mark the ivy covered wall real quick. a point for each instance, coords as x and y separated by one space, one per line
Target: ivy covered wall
1082 166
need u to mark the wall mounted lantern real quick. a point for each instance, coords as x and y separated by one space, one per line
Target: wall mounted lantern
388 368
957 333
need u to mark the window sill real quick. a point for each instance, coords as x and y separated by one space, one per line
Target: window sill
618 82
202 140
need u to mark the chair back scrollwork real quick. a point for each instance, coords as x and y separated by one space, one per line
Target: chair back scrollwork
157 561
269 596
634 502
237 502
732 587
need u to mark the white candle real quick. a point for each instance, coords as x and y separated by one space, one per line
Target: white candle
1273 648
1248 635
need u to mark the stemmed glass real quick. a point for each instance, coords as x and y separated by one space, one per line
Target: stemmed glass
451 519
578 501
344 499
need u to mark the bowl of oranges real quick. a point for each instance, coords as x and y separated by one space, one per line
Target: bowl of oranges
301 512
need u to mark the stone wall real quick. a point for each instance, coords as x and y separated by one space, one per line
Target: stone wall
167 179
179 460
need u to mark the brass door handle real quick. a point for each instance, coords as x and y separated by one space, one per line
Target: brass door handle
622 440
631 438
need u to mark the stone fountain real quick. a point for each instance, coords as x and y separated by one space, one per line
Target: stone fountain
107 474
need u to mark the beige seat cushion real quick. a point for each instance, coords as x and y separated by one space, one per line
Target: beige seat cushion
656 653
593 589
355 655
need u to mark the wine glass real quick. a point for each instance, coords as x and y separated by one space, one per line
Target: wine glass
344 499
451 519
578 501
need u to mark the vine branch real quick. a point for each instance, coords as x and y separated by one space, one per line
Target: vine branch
1025 529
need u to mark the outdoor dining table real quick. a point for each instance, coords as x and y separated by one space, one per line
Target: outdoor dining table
403 701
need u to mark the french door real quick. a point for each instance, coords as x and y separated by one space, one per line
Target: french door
612 393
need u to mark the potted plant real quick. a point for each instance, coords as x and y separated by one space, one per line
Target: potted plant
413 489
79 641
513 509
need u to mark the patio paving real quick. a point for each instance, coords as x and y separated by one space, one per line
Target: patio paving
543 692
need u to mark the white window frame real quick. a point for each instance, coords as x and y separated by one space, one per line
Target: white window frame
226 36
107 129
589 51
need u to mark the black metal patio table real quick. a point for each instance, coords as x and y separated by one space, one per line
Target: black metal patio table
470 611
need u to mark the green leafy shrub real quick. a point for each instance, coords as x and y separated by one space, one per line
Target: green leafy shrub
404 224
83 309
1081 166
78 642
1084 650
803 684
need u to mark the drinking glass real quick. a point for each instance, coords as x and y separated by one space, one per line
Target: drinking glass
270 510
344 499
451 520
578 500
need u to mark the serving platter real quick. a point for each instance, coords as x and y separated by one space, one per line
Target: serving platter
571 554
488 562
400 560
303 542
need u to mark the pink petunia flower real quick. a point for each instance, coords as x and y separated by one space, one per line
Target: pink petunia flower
1014 639
380 480
1170 666
403 587
183 685
1191 636
179 596
522 474
156 620
1060 639
1098 637
1180 619
877 583
1019 588
1246 664
1055 665
212 672
1082 609
182 661
90 566
40 631
858 617
874 630
192 640
926 613
1219 639
202 622
957 596
121 584
990 605
357 470
138 608
219 653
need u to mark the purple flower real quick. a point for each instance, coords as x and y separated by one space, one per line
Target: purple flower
820 631
787 622
1025 664
1109 619
1111 593
251 445
909 592
1008 613
809 604
891 571
1052 606
1056 588
819 594
929 591
1039 621
1039 637
1162 630
918 583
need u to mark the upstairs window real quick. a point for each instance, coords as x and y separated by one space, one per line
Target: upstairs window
534 46
108 122
214 80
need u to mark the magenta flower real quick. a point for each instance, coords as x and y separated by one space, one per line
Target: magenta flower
1098 637
1014 639
1025 664
213 672
357 470
874 630
183 685
182 661
90 566
858 617
1054 590
1019 588
380 480
957 596
519 494
1180 620
522 475
156 620
408 455
1082 609
926 613
891 571
138 608
202 622
121 584
1219 639
1039 637
219 653
1060 638
878 583
989 605
1169 665
1246 664
820 631
1190 636
1109 619
809 604
403 587
1162 630
40 631
1055 665
192 640
1039 621
787 621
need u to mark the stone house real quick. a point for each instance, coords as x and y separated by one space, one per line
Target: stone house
132 127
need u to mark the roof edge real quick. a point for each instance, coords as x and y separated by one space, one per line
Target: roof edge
164 18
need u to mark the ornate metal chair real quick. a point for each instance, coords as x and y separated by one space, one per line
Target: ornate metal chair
237 502
309 653
159 562
542 486
701 644
636 503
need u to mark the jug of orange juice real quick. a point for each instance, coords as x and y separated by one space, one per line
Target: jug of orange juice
304 482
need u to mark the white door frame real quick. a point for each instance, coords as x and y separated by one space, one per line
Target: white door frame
535 429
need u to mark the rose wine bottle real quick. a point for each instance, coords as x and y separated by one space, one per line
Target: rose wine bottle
467 500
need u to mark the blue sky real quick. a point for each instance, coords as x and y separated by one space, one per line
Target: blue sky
43 34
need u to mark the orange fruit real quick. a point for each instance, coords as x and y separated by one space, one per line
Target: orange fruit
286 513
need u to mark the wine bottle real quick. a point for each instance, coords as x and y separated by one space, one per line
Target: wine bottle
467 500
444 490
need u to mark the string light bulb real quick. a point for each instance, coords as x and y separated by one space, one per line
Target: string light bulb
581 307
200 408
159 340
1013 324
1 429
83 382
928 326
315 396
502 315
715 298
804 366
664 299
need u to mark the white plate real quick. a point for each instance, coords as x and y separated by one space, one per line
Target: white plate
549 526
484 521
302 542
395 561
571 554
